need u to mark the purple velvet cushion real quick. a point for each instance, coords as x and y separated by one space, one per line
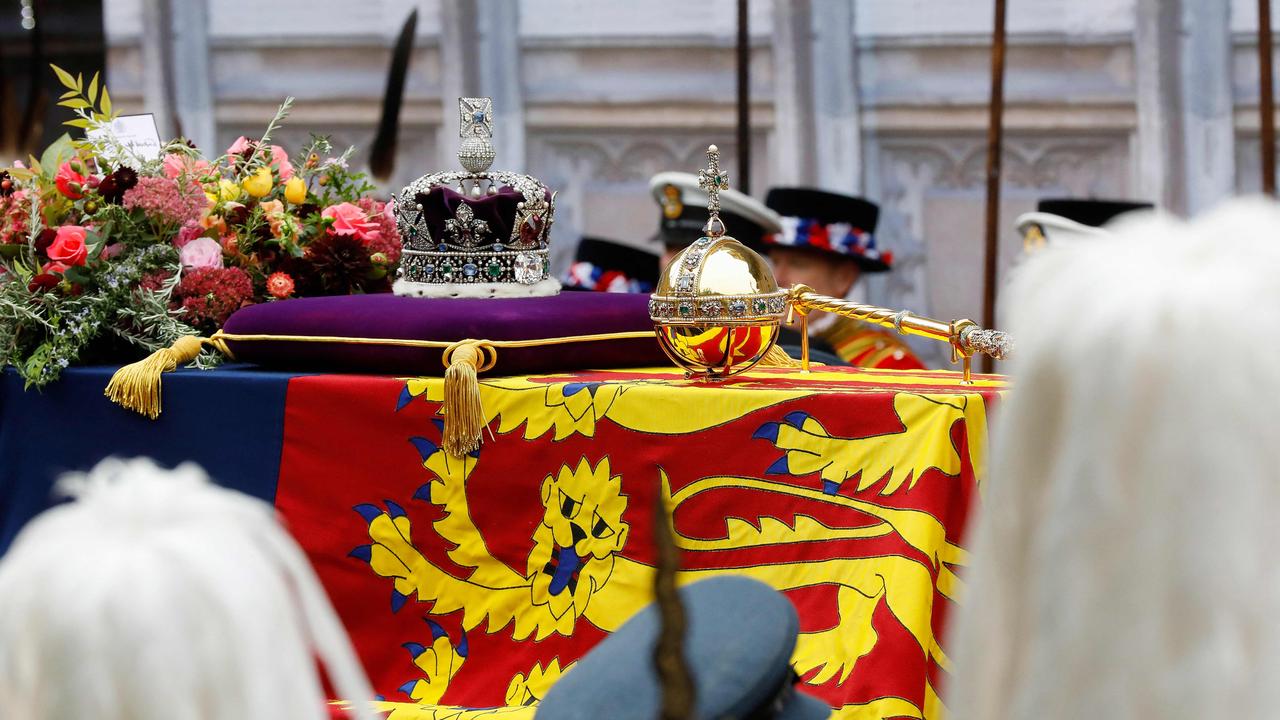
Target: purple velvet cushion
446 320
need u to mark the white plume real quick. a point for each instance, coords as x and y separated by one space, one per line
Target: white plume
156 595
1124 559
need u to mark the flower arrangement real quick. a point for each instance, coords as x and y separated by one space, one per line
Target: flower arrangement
104 253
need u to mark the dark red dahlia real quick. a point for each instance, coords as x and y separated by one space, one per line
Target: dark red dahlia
339 265
114 186
45 239
237 215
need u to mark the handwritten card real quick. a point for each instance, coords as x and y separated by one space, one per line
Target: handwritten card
138 133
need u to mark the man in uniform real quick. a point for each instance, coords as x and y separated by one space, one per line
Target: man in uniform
826 242
684 213
1065 221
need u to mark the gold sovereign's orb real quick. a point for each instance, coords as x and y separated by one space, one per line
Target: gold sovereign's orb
717 308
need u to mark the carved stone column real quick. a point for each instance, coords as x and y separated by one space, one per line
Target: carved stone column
817 136
157 78
480 54
1208 104
794 151
192 85
838 126
1185 136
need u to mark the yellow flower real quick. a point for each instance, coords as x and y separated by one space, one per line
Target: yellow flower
228 190
295 191
258 184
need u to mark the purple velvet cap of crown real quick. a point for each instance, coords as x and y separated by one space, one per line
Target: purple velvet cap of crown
440 205
446 320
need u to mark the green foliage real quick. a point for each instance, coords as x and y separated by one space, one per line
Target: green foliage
44 332
60 151
90 106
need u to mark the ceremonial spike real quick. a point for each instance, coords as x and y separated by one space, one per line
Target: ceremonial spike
712 179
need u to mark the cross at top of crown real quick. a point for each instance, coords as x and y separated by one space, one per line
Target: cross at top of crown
476 116
712 179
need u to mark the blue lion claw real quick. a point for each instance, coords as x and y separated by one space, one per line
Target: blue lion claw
425 447
779 467
796 419
767 431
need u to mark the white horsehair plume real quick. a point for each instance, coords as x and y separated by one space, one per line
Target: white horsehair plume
1124 559
157 595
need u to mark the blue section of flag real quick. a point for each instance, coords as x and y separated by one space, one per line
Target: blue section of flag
230 421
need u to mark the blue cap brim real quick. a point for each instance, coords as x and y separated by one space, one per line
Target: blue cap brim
802 706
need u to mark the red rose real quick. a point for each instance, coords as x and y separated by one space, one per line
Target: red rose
42 282
69 182
54 266
68 246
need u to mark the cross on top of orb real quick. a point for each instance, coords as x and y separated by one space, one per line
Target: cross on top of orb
712 179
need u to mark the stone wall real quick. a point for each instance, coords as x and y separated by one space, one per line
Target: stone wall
884 98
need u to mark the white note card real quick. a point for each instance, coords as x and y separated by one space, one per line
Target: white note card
138 133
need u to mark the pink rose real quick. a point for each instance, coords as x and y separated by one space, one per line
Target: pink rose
240 145
189 232
202 252
280 159
68 246
54 266
176 164
349 219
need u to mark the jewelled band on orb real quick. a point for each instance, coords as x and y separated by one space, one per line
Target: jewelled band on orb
718 309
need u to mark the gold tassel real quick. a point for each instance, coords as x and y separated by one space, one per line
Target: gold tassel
137 386
777 357
463 414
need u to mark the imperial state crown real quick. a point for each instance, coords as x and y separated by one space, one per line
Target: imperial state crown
475 233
